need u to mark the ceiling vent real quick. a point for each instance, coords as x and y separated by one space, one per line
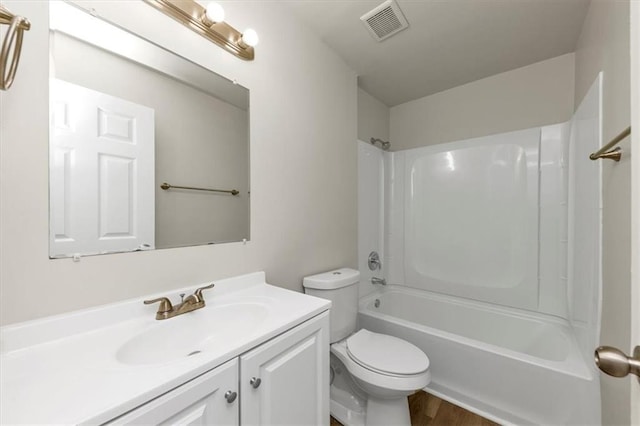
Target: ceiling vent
385 20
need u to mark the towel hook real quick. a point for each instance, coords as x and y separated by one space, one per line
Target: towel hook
13 38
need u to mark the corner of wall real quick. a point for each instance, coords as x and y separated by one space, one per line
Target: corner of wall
373 117
604 45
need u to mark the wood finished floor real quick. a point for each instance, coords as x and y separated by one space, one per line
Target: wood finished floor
429 410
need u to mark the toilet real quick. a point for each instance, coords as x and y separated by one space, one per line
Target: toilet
371 373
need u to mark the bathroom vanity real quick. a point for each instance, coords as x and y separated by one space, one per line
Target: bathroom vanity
255 354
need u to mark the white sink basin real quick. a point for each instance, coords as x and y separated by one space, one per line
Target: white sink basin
116 357
192 333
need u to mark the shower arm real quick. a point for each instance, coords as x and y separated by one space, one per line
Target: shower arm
385 145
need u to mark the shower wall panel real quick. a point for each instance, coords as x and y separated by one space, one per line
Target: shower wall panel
585 220
553 238
484 219
471 218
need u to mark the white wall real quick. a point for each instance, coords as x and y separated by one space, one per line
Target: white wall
373 122
371 207
604 45
373 118
303 153
531 96
635 209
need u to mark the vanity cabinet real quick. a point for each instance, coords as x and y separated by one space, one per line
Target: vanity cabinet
285 381
205 400
282 381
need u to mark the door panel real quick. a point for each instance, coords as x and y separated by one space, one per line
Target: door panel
102 172
116 212
293 374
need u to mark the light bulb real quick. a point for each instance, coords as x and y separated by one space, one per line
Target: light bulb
250 37
213 13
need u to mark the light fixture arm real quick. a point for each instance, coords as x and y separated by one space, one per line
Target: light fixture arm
190 13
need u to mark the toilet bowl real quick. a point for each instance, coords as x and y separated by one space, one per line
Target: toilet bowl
387 370
372 373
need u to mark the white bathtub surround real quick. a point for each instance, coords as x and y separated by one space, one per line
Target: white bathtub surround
492 255
91 366
585 220
433 243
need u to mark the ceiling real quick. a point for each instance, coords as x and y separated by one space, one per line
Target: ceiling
448 42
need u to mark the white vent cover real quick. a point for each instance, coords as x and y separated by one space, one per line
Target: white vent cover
385 20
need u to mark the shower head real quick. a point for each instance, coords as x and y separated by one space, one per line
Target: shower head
385 145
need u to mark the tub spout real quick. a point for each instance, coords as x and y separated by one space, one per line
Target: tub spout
376 280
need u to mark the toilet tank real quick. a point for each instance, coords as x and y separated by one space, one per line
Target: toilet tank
340 287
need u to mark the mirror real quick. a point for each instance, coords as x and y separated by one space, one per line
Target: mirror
126 117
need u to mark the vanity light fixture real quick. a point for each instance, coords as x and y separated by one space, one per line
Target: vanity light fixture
209 23
249 38
213 13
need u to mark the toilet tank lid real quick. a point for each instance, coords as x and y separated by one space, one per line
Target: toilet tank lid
331 280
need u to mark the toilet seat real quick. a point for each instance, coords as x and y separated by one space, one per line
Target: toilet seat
375 381
386 354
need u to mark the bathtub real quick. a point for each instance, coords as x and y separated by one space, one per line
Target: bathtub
506 365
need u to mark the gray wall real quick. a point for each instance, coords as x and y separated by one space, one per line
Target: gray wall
604 46
303 153
373 118
535 95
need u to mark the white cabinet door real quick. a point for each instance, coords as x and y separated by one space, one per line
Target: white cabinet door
286 380
201 401
101 172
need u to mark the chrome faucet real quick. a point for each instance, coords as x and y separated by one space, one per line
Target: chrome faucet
166 310
376 280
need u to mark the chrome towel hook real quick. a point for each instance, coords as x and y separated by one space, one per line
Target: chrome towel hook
13 39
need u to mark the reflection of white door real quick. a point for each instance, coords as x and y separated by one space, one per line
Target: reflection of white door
101 172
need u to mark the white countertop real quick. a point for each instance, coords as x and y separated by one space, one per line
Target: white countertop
66 370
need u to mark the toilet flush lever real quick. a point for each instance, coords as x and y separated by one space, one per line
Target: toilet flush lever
615 363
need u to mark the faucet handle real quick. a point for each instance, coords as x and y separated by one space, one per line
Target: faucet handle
198 292
165 304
